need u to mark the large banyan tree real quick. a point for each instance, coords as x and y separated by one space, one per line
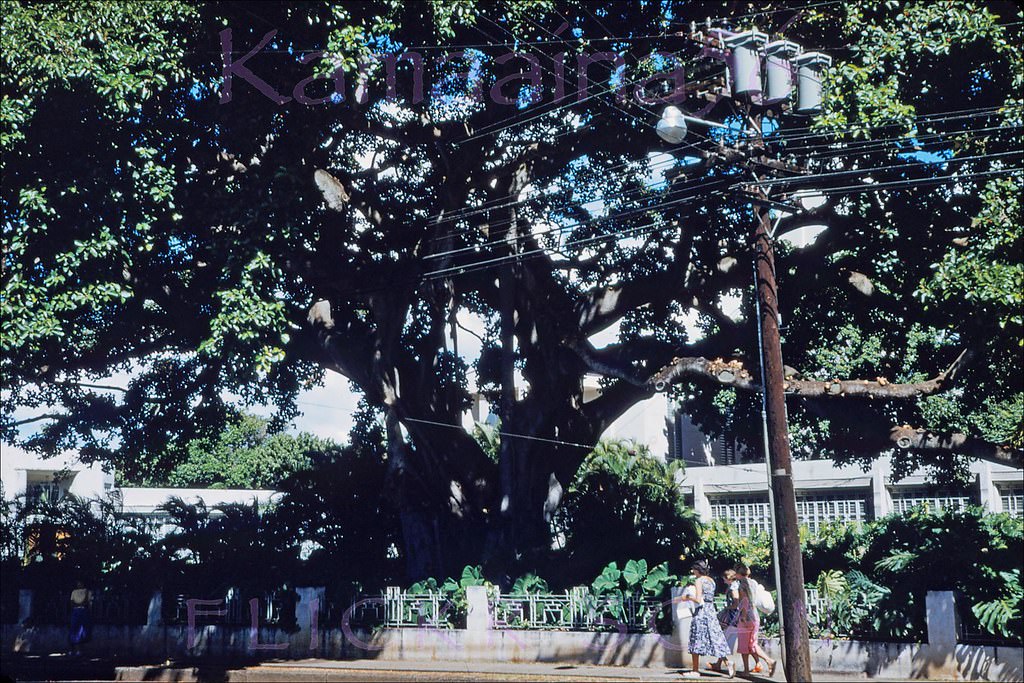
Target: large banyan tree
215 204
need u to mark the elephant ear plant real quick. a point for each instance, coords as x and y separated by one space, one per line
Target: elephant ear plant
614 589
454 605
1002 616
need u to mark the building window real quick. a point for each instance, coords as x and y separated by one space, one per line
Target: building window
904 500
818 510
747 513
44 492
751 513
1013 501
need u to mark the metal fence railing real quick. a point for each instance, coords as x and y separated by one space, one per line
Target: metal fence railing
575 610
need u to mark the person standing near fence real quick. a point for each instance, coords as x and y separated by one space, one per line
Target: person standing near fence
706 637
748 623
80 621
727 616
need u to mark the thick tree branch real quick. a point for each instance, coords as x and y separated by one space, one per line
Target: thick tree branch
880 387
734 373
602 307
908 438
613 402
38 418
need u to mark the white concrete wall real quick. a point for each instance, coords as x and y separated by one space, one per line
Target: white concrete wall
139 500
644 424
86 481
875 660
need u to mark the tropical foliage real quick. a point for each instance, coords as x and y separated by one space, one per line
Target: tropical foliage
246 456
623 504
879 574
210 239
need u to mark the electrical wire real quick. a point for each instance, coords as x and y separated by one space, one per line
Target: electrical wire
918 182
827 150
849 189
642 188
565 229
509 434
874 169
791 136
834 150
477 265
473 266
487 130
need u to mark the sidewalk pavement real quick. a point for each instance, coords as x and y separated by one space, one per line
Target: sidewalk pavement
370 670
379 670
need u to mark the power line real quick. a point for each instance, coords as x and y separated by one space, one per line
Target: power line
487 130
849 189
906 184
625 194
829 149
795 134
832 150
509 434
564 228
873 169
463 269
654 166
474 266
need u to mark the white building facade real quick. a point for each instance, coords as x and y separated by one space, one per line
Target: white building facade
826 492
30 477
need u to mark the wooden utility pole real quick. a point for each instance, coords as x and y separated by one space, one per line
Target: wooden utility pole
792 598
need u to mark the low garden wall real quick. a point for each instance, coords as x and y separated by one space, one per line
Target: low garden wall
940 658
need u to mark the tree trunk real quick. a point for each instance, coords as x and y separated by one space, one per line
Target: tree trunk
442 503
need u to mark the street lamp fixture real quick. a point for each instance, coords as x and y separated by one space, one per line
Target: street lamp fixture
672 126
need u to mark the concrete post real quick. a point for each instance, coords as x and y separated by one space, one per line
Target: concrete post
939 660
880 498
24 605
155 612
701 503
477 617
681 617
988 493
943 622
307 614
